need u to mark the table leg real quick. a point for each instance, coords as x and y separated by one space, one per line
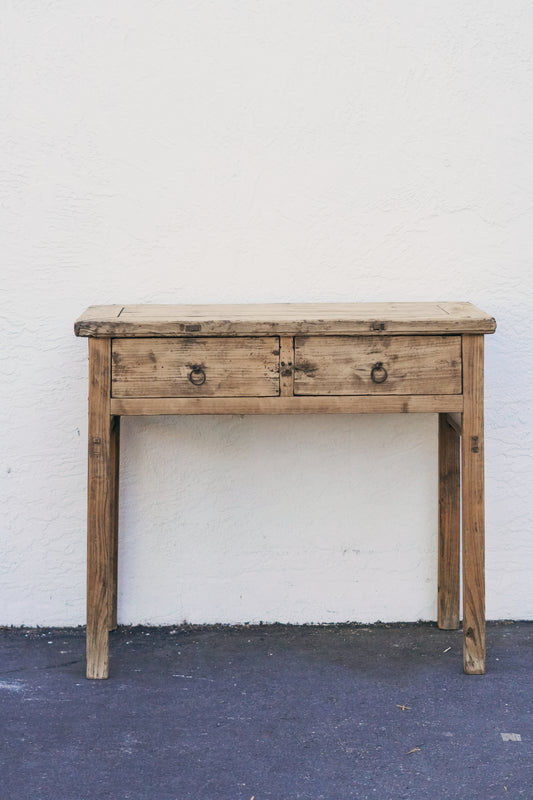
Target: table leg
473 495
449 525
101 508
115 462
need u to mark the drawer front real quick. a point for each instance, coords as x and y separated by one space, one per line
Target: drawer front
195 367
372 365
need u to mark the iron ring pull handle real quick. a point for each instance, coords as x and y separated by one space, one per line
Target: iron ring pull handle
197 376
378 373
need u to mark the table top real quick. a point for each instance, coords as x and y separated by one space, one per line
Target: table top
133 321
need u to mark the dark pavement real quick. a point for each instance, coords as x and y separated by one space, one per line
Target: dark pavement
270 712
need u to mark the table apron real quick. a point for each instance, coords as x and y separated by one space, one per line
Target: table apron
361 404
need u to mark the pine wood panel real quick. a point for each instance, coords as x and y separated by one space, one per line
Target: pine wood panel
449 525
289 405
473 495
196 367
283 319
344 365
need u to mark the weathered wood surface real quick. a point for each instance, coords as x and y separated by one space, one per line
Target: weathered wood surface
286 372
283 319
288 405
473 495
196 367
449 525
102 499
422 376
344 365
115 464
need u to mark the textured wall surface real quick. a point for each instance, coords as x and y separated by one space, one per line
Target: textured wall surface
245 152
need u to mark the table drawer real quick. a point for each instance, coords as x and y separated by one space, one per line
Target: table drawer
195 367
377 365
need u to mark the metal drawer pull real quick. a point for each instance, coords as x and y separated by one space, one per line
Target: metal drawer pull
379 374
197 376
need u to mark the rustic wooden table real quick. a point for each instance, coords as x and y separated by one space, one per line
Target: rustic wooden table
289 358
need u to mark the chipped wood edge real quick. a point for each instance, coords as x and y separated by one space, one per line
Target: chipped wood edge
176 328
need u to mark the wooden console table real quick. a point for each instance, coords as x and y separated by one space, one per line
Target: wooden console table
347 358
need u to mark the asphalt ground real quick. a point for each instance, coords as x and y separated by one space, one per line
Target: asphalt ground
270 712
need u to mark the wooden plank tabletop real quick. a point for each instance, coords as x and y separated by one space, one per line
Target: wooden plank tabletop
283 319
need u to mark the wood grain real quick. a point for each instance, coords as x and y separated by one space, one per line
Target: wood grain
252 364
288 405
343 365
228 367
115 463
101 508
449 525
285 319
473 496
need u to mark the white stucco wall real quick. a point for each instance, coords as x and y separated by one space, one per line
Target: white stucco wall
285 150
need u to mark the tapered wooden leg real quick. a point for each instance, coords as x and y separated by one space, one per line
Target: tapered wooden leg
473 495
449 525
113 566
100 508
